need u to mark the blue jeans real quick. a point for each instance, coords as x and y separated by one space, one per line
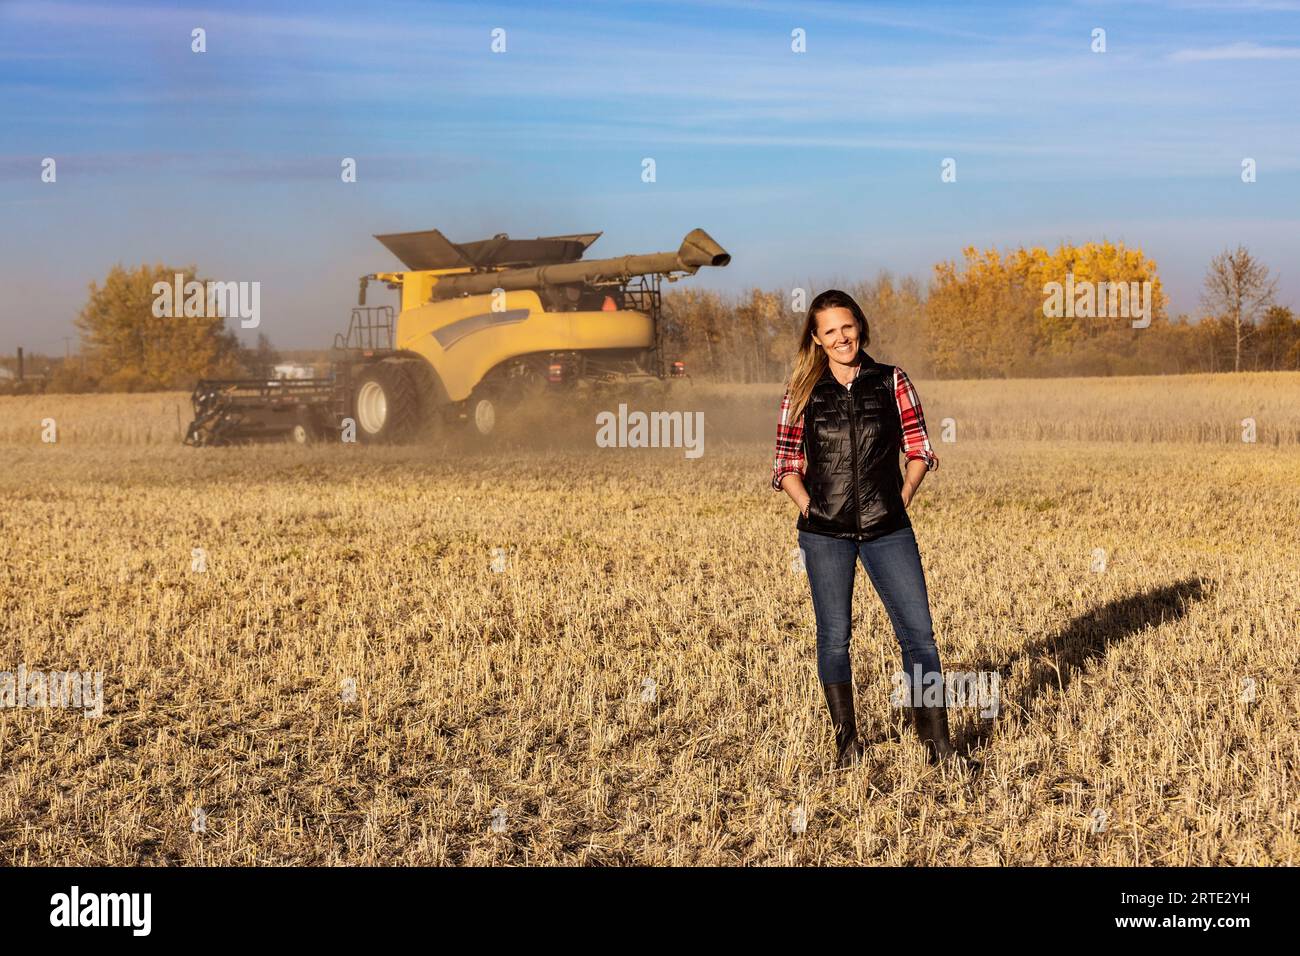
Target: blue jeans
893 564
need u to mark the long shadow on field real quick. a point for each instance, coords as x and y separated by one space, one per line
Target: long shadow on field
1055 660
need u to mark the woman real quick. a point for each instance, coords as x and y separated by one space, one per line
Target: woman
844 419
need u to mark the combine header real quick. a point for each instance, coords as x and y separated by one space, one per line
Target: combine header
481 324
248 409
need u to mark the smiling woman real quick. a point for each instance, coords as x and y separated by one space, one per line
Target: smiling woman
844 419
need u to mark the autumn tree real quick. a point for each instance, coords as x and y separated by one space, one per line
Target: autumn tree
1277 345
128 348
697 326
1031 311
261 359
980 319
1238 288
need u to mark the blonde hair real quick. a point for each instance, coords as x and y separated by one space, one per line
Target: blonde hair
810 361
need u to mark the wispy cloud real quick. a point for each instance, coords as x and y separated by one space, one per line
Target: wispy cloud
1236 51
245 168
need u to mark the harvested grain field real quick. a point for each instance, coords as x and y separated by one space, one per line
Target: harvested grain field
543 651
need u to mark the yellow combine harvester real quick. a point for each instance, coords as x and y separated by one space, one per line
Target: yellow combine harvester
480 324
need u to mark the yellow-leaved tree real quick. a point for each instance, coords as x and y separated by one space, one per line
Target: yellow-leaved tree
1032 311
130 349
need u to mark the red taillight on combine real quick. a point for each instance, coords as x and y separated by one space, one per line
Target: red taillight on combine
679 370
555 373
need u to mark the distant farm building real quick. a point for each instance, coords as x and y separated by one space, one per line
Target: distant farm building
293 370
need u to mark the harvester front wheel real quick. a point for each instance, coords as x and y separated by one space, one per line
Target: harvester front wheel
387 405
306 428
497 397
483 413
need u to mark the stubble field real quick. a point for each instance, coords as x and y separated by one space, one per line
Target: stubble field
357 676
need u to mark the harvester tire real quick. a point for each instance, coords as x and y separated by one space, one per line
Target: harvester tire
387 404
484 409
498 396
306 429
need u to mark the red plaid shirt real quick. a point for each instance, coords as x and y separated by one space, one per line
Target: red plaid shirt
916 443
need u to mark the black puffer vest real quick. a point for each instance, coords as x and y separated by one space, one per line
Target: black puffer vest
851 442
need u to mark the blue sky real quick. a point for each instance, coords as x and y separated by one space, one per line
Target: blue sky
808 167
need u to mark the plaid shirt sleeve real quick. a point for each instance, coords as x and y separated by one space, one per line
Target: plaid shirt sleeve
916 443
789 445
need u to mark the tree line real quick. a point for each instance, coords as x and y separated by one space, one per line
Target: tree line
1007 315
1023 313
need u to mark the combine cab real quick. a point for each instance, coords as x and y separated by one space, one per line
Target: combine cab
481 326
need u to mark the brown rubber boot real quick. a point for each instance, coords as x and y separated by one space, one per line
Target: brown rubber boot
839 700
909 718
932 727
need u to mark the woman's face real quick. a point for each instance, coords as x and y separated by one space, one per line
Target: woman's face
837 334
